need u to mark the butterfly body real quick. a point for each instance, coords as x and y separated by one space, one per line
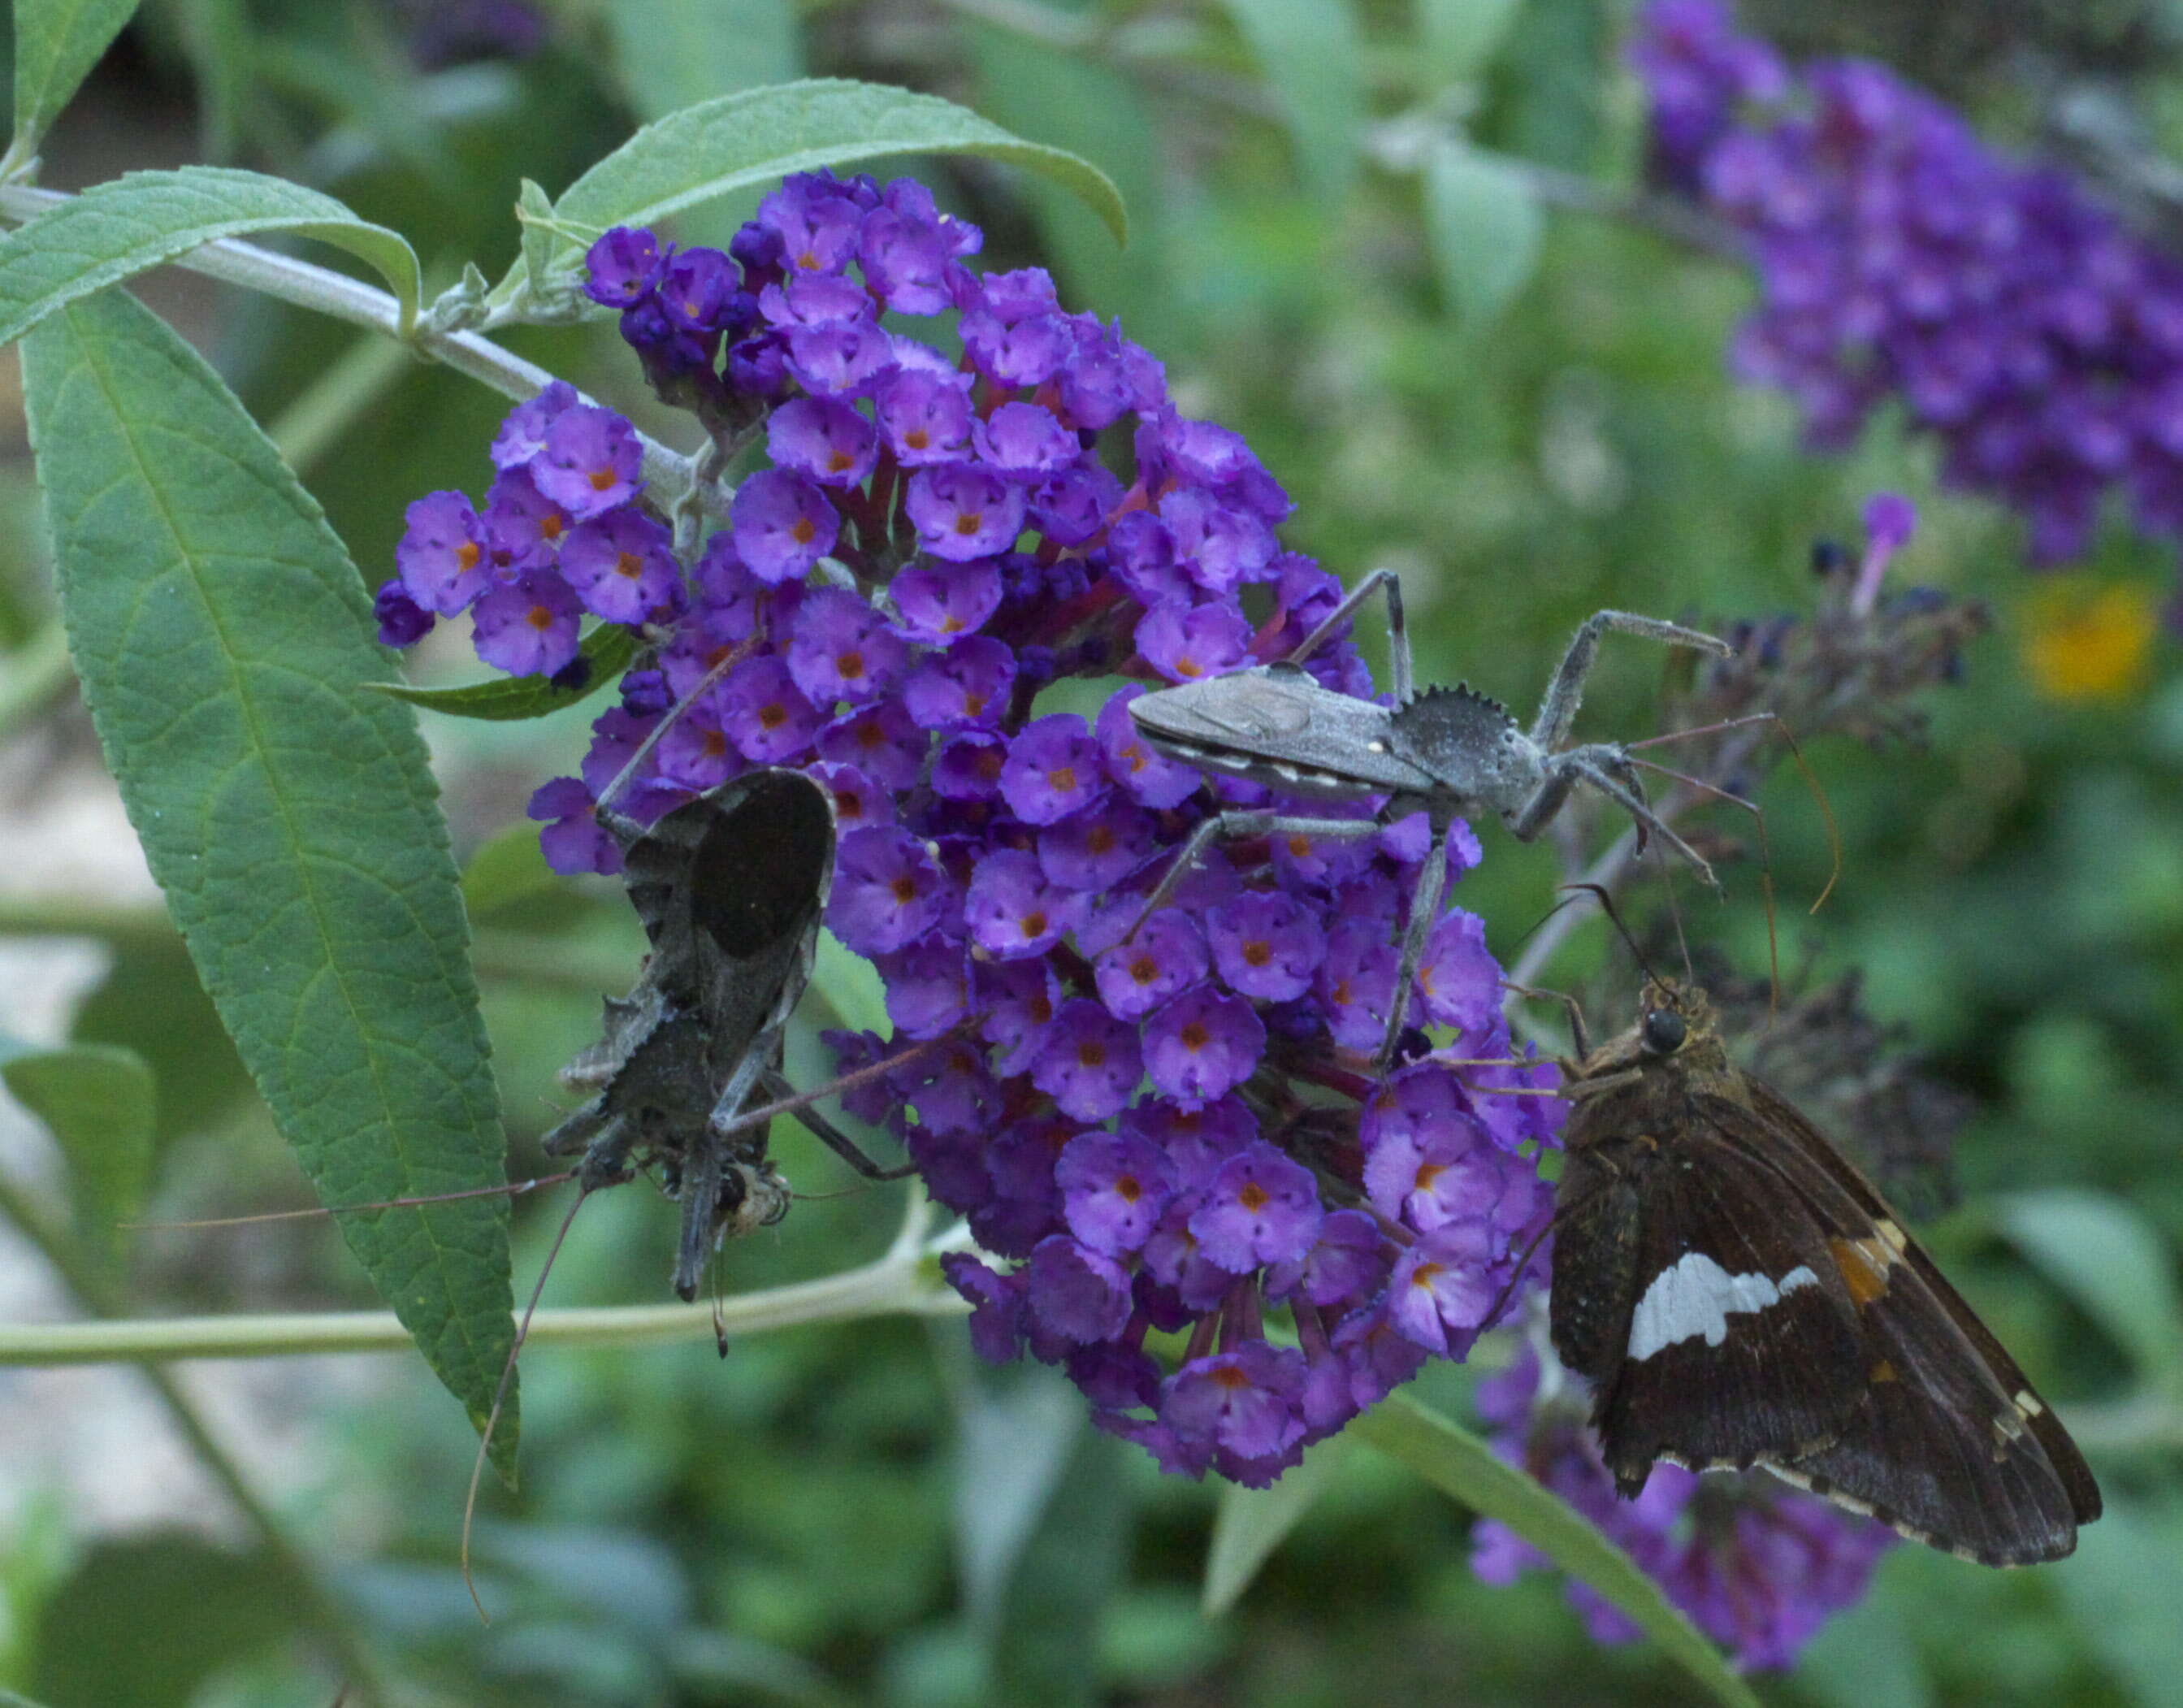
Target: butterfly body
1740 1295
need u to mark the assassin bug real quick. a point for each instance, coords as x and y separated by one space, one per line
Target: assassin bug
1446 752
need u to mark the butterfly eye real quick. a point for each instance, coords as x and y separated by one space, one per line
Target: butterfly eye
1663 1032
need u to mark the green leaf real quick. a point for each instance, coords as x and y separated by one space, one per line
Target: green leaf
97 1102
1486 229
705 152
194 1608
116 230
1460 1464
57 43
9 1699
674 54
534 213
509 867
850 985
221 635
2110 1259
1310 52
609 647
1460 37
1252 1522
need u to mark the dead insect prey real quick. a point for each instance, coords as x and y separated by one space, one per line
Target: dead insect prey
729 888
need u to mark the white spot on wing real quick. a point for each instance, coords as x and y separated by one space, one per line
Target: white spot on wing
1696 1296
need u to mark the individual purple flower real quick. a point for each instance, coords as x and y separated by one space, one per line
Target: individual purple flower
928 988
529 627
764 712
968 684
1114 1187
589 462
1089 1064
1011 910
1096 848
1155 781
880 740
1076 1293
1260 1208
1183 646
783 525
1025 352
573 841
1202 1045
887 891
1439 1293
961 511
1024 441
1458 980
442 553
402 622
925 417
858 801
697 752
968 766
827 440
1246 1402
1347 1265
907 248
842 649
1018 1000
700 291
1266 944
621 566
522 528
621 267
1221 546
522 434
1054 770
1071 506
1357 982
817 224
938 602
840 359
1166 957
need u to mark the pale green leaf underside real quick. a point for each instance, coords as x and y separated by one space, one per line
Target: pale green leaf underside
97 1101
57 43
609 647
1252 1522
758 136
221 635
1486 229
1460 1464
117 230
1312 57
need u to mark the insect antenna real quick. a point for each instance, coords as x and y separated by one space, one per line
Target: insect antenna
500 1398
1765 877
734 656
514 1188
1607 906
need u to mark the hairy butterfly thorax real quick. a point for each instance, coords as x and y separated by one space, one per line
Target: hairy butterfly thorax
1739 1294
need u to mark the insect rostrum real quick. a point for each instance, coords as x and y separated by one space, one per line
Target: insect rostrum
1739 1294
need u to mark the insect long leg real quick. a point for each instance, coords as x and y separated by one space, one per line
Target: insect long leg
604 1140
1424 912
1398 633
830 1135
625 830
1582 764
1565 692
1223 827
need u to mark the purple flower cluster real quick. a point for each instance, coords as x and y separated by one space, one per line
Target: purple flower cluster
1758 1566
1170 1130
1900 258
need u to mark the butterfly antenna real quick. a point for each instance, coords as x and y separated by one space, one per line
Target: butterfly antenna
512 1189
1765 865
1607 906
500 1398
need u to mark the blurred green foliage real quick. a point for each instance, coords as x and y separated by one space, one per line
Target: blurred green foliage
863 1515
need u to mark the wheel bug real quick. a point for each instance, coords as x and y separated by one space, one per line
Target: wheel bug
1447 751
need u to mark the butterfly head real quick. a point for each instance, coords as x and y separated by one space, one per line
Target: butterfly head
1675 1024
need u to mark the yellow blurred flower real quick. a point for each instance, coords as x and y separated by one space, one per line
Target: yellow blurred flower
2081 643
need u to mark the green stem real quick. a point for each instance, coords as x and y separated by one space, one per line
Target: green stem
324 292
894 1286
100 1294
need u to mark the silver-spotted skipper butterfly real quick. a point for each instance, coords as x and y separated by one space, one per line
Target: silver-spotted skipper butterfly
1739 1295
